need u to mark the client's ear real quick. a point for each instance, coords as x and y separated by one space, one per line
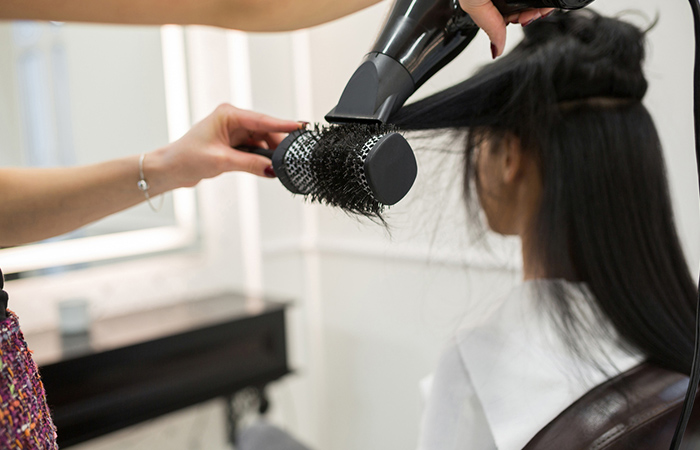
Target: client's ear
512 158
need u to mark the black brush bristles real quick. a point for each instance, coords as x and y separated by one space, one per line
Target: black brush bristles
337 162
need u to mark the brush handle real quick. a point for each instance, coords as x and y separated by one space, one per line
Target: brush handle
266 152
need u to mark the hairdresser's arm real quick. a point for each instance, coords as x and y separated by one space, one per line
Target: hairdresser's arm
489 19
39 203
247 15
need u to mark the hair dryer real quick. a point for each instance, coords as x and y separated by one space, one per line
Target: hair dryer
418 38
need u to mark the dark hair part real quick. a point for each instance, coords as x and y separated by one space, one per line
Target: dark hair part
571 92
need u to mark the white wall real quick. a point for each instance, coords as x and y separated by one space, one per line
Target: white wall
9 120
371 308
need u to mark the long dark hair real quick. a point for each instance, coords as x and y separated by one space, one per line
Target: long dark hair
571 92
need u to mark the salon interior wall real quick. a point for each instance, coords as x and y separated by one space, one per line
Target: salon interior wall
371 307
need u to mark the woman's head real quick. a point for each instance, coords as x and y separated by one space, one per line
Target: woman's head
562 152
508 181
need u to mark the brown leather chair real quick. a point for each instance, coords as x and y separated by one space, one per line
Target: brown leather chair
637 410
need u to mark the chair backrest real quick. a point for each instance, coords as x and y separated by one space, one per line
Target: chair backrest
636 410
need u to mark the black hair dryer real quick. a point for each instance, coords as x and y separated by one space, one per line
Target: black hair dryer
418 38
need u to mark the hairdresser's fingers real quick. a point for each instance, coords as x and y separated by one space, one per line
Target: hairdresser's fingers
529 16
274 139
247 162
238 125
270 139
254 121
512 18
489 19
546 12
525 18
238 136
265 140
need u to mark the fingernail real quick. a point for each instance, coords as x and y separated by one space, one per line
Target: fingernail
528 22
270 172
548 14
494 51
303 124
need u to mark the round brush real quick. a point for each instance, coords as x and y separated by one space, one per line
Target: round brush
360 168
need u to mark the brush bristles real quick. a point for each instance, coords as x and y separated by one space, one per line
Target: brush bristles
337 162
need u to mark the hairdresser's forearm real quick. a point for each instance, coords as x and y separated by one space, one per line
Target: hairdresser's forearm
105 11
39 203
282 15
247 15
36 204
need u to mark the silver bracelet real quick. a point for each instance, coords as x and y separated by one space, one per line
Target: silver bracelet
143 186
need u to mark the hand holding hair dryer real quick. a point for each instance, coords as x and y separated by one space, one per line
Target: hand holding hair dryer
418 39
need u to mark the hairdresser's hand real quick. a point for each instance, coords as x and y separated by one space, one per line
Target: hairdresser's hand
41 203
489 19
208 149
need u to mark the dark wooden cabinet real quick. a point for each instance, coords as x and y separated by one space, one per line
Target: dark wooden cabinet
137 367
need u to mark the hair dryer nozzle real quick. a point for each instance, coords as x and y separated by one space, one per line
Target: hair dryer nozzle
378 88
418 38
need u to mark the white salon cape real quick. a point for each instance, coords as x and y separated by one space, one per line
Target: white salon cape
497 384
